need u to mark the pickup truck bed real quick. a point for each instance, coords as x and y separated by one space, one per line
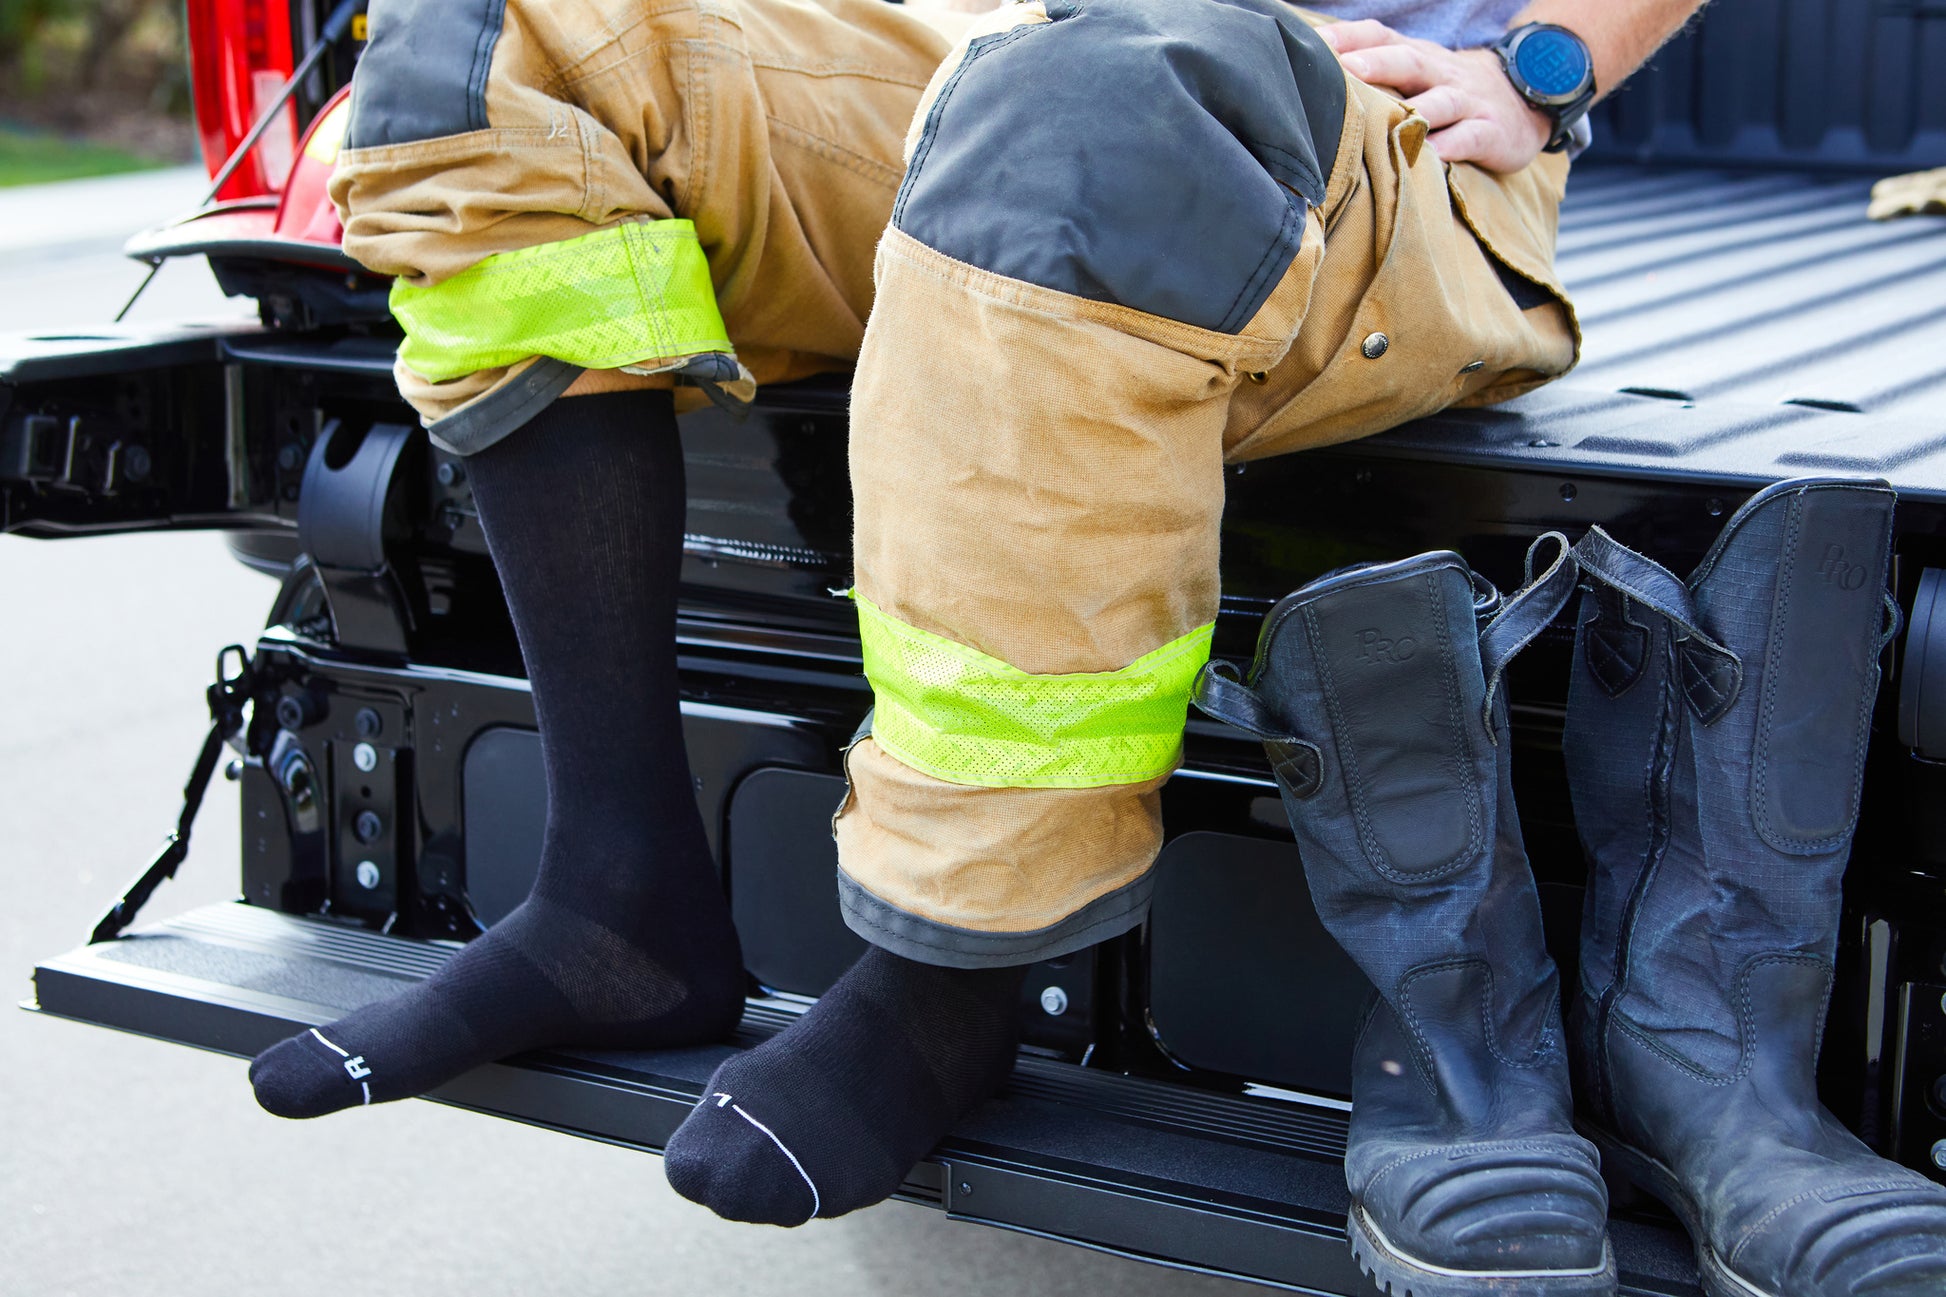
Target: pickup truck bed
1741 327
1738 323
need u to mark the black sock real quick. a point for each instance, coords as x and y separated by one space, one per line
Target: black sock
831 1114
625 940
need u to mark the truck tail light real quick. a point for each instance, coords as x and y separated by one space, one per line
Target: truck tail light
241 55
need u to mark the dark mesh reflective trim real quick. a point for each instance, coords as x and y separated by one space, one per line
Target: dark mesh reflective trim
928 942
1153 153
472 428
424 70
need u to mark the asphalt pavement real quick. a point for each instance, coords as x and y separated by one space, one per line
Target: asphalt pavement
129 1166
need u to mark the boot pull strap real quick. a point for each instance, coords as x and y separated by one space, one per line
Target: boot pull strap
1525 614
1221 694
1711 674
1894 621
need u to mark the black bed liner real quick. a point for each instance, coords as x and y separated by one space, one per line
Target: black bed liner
1743 326
1250 1188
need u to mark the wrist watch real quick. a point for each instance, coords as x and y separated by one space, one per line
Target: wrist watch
1552 70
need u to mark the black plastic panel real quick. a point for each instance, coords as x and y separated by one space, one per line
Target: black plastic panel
1243 978
1922 676
783 881
504 796
783 895
1919 1078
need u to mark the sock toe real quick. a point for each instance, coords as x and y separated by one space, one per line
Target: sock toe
290 1080
721 1158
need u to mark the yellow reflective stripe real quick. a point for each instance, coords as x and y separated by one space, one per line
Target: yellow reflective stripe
616 297
956 714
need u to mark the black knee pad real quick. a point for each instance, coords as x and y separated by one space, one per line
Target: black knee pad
424 70
1158 154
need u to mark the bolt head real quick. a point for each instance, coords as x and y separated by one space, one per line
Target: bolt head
367 874
365 757
368 826
368 723
1054 1001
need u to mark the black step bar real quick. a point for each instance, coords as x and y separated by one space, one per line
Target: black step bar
1247 1188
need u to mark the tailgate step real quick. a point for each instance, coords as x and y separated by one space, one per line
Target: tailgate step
1246 1187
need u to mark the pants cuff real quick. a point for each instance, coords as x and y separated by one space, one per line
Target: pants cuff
479 423
927 941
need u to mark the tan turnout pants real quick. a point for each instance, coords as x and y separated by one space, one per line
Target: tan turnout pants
1042 409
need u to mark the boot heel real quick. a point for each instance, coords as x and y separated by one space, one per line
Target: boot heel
1623 1193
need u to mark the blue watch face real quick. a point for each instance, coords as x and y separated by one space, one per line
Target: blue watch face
1552 63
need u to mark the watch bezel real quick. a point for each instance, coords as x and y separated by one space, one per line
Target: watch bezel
1510 47
1565 109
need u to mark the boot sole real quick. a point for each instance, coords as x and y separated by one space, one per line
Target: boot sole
1653 1178
1399 1275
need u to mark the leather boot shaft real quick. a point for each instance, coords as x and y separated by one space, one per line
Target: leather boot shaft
1376 692
1716 737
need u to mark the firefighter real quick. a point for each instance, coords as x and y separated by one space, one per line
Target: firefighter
1081 254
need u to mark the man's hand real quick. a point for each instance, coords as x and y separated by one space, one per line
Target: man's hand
1474 111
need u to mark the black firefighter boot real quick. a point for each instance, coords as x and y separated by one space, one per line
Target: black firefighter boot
1375 692
1716 739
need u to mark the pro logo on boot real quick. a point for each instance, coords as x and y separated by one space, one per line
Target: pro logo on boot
1834 569
1375 649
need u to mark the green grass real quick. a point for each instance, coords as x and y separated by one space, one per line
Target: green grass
33 159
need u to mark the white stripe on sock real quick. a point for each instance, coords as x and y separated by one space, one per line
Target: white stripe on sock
328 1045
816 1201
366 1086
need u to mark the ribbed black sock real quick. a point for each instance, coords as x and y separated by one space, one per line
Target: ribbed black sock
831 1114
625 941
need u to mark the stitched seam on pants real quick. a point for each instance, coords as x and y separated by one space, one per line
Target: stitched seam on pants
574 67
870 168
1229 350
442 147
1252 285
564 84
978 50
861 71
483 46
700 125
594 197
1297 162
